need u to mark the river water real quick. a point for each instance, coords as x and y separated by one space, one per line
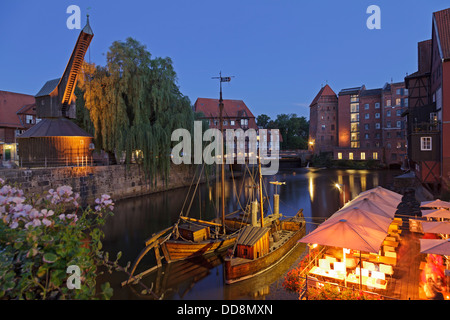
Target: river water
136 219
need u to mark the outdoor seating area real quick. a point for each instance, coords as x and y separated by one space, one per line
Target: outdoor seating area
361 242
435 243
377 268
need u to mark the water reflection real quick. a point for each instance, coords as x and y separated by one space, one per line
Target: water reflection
137 219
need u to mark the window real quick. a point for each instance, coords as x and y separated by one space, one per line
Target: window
375 156
399 113
323 127
366 126
388 103
377 136
225 122
398 101
406 92
399 91
377 105
388 124
354 117
377 115
332 127
354 98
29 119
388 113
377 125
340 155
366 116
425 144
366 136
399 145
399 124
433 117
350 156
366 106
232 122
363 156
354 107
354 144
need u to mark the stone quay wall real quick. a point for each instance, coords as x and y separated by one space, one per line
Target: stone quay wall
119 181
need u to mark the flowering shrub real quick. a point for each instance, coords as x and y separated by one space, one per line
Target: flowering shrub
40 239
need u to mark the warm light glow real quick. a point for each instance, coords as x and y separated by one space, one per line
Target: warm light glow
311 143
337 185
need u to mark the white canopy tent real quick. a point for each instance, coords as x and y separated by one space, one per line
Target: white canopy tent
436 213
438 203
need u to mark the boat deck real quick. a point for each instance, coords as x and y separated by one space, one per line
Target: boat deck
284 235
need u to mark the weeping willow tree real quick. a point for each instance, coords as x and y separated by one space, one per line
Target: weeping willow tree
134 105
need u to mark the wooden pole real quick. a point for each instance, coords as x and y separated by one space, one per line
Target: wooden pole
222 158
260 186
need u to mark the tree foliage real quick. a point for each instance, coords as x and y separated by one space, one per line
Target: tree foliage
293 129
134 104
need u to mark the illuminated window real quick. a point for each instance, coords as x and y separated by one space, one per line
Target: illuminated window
340 155
350 155
375 156
363 156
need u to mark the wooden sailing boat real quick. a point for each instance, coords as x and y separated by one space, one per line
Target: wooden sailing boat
189 237
262 245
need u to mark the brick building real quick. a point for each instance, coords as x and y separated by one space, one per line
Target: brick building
429 108
367 123
235 115
17 114
322 124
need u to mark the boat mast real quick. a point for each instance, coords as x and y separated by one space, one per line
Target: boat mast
222 184
260 183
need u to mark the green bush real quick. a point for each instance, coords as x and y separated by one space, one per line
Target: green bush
39 240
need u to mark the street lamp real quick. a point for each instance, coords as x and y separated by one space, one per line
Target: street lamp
337 185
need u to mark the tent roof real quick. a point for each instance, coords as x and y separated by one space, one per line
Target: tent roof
371 206
345 234
436 227
362 217
436 213
438 203
435 246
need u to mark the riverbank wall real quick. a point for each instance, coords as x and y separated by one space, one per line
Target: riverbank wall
118 181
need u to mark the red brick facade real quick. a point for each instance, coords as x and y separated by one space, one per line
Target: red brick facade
369 124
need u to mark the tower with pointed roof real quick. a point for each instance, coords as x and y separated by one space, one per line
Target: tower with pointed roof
323 121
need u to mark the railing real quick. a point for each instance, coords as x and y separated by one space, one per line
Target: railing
430 126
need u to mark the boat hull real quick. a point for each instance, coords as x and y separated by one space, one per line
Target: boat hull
176 250
238 269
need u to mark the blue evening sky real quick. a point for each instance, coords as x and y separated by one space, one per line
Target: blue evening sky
280 52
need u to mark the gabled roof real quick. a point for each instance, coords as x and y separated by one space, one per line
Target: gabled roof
10 104
48 87
325 91
54 127
231 108
249 235
441 21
